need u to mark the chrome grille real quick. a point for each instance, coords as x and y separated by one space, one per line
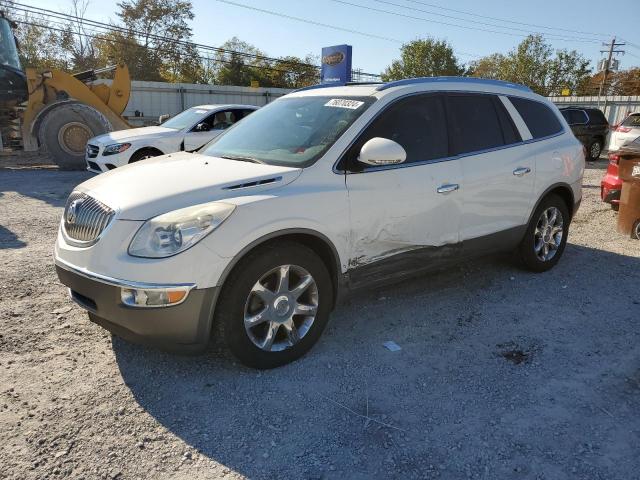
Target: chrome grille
85 218
92 151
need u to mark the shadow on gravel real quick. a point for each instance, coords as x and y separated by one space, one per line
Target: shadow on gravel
497 368
50 186
8 239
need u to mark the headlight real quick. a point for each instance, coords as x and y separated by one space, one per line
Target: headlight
115 148
174 232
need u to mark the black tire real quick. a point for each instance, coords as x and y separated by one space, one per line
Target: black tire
527 249
144 153
230 312
591 150
635 231
64 132
615 207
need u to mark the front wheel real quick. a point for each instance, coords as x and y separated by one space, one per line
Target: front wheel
546 235
275 305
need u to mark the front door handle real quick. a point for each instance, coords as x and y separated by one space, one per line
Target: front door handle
519 172
448 188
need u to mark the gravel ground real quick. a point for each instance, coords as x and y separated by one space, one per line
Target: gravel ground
502 373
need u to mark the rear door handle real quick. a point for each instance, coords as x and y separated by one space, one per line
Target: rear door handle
448 188
519 172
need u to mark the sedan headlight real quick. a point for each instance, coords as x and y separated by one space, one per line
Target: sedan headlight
115 148
174 232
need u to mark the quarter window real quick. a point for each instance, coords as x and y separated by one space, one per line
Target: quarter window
539 118
418 123
475 125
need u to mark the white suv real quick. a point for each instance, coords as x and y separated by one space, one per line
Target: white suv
188 131
323 191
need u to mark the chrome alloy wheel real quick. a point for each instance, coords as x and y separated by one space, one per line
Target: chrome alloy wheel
596 148
281 308
548 234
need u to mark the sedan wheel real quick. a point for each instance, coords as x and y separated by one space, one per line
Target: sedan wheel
281 308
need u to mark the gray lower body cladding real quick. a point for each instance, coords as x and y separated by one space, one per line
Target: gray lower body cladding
183 328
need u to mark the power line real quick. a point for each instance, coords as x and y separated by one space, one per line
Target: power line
112 28
506 20
528 32
72 18
397 14
129 43
310 22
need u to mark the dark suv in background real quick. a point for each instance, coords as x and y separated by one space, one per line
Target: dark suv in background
590 126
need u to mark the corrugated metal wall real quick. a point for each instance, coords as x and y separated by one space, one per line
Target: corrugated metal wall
157 98
615 108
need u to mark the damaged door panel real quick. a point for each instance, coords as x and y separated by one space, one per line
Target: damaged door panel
412 205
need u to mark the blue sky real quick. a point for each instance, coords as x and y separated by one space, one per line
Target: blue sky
216 22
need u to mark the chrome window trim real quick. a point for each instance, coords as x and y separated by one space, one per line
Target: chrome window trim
337 171
117 282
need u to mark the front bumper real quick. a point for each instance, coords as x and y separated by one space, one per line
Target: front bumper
185 327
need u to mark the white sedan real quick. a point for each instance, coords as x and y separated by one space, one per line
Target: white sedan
187 131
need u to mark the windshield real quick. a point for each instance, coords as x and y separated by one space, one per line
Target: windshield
292 131
8 50
187 118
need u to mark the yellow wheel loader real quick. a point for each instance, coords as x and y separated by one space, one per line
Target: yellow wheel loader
55 112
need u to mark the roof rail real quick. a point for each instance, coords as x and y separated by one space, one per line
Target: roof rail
327 85
471 80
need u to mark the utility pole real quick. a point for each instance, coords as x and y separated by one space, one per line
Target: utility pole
612 50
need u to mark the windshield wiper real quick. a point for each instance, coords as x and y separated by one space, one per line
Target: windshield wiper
241 159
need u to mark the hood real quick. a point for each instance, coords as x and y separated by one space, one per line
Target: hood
132 134
161 184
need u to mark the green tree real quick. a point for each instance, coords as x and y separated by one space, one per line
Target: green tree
159 27
534 64
424 58
294 72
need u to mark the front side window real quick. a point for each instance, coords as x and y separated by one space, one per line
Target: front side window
475 124
418 123
294 131
8 50
540 119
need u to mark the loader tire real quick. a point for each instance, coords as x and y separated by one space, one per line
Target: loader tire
65 130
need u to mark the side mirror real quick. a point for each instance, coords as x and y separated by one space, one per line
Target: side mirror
163 118
382 151
202 127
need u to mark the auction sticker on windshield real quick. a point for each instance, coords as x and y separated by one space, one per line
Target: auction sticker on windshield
344 103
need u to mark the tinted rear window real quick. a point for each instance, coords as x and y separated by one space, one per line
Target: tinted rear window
540 119
474 123
632 121
597 117
574 117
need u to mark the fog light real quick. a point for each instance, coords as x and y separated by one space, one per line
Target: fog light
134 297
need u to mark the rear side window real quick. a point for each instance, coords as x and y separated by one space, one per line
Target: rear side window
632 121
418 123
574 117
474 123
597 117
539 118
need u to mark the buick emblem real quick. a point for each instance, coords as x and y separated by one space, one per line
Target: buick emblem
72 211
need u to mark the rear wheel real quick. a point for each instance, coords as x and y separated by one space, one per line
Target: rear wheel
546 235
594 150
65 130
275 305
635 231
